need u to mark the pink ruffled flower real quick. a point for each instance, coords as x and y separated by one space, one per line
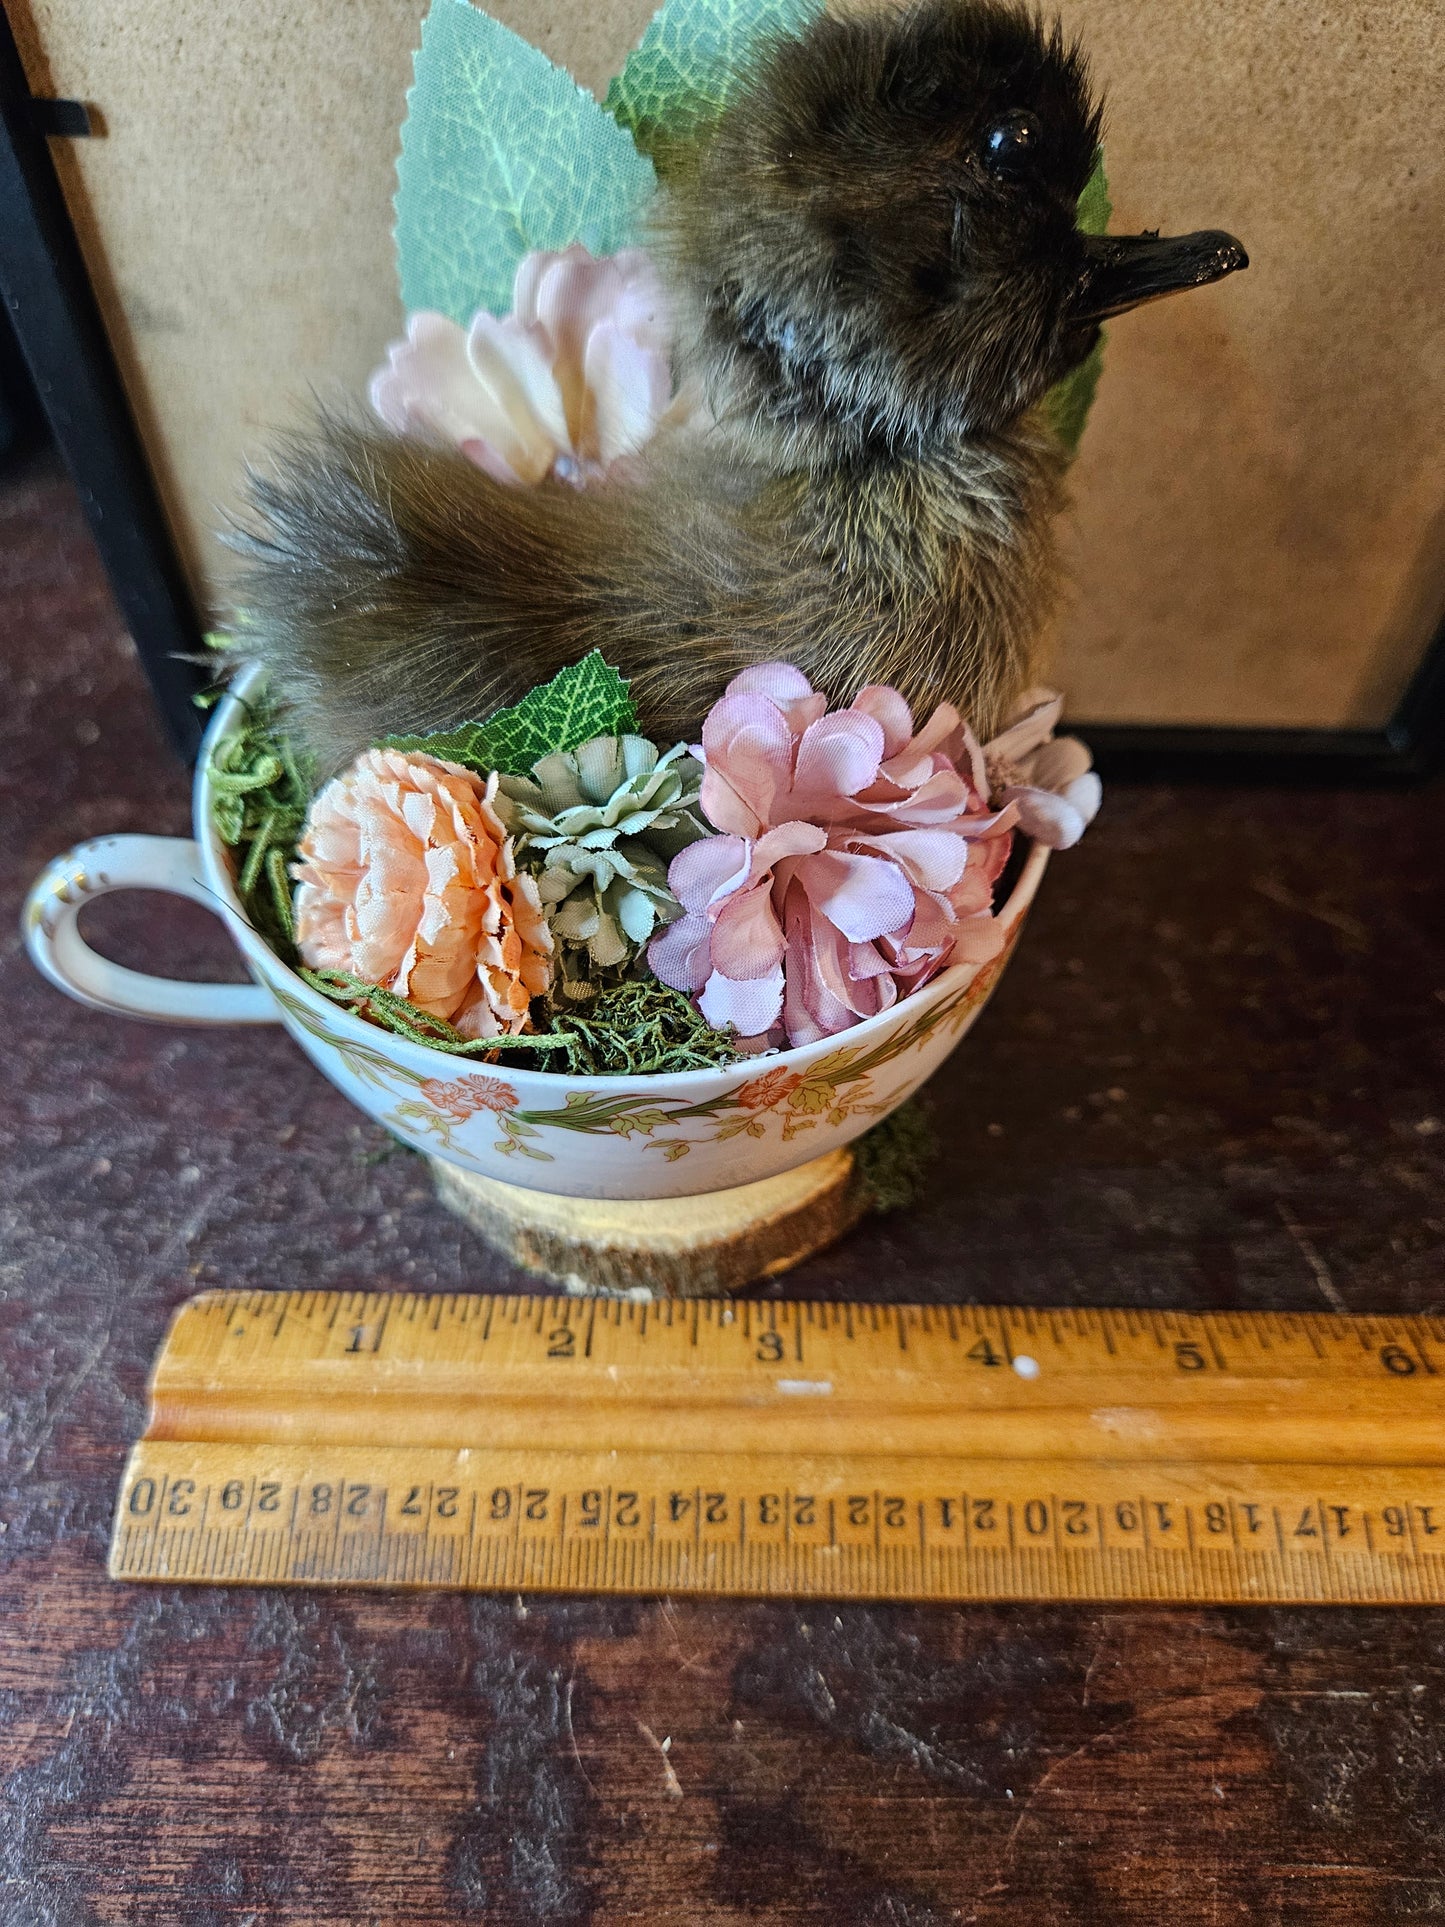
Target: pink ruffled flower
575 379
1048 778
857 859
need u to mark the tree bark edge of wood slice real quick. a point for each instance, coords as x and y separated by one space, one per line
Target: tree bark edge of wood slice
690 1247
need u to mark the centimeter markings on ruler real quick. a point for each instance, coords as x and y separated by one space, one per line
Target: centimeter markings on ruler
773 1448
873 1528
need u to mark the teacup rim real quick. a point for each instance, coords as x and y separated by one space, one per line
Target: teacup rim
241 693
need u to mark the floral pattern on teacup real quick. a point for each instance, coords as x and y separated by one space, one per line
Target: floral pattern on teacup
836 1087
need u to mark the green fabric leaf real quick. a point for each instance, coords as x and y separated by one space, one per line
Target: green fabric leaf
501 153
1068 402
586 700
1095 206
690 60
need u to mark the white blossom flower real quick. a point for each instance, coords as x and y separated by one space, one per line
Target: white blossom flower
573 381
1050 778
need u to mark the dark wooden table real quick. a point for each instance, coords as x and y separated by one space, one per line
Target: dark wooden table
1212 1077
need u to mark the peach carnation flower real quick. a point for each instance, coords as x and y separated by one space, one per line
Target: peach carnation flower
406 879
576 378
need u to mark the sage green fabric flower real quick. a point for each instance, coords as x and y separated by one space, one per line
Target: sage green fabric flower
597 826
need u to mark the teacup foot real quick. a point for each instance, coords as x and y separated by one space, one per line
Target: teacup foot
695 1247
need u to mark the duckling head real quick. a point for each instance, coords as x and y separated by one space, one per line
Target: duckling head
878 239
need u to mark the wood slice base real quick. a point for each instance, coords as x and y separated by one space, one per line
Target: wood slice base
693 1247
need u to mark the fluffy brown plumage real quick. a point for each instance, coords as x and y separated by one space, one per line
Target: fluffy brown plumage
874 259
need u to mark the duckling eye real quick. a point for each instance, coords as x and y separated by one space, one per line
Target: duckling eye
1011 146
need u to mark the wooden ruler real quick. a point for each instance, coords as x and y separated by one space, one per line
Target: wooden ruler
865 1451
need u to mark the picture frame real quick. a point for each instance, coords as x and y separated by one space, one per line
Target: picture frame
57 321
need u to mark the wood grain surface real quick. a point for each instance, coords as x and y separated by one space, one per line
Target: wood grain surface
1212 1077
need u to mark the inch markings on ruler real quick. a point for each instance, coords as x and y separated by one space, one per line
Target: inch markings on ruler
944 1452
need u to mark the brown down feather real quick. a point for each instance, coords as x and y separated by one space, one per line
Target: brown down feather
872 324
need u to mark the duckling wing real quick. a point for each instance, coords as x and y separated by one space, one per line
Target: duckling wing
394 588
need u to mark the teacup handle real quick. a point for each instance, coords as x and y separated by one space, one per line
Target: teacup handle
52 933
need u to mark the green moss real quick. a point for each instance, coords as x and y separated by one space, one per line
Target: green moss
260 793
891 1162
390 1012
635 1029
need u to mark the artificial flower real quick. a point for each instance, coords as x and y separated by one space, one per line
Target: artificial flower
574 380
856 859
1049 779
598 825
407 879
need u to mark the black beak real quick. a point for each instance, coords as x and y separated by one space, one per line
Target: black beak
1123 270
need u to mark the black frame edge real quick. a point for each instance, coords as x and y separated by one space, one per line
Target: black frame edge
57 322
1409 747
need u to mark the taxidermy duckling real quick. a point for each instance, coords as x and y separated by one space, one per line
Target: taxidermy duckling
874 261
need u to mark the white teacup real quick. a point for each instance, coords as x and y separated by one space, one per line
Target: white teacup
666 1136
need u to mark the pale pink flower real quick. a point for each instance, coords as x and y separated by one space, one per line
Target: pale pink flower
406 880
574 380
1048 778
857 859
